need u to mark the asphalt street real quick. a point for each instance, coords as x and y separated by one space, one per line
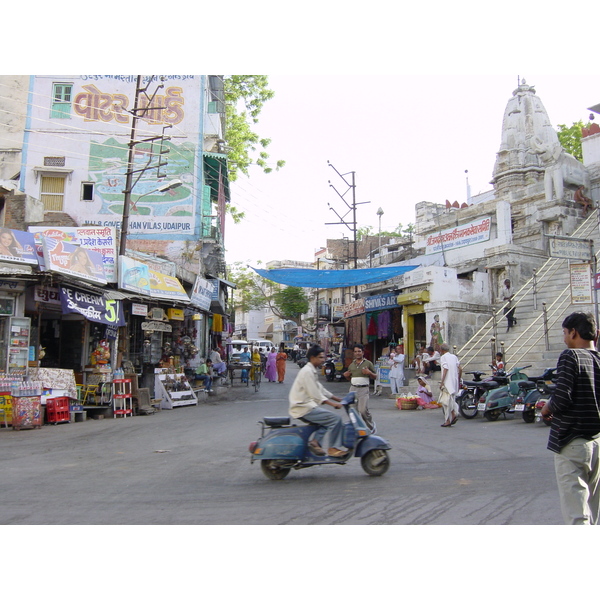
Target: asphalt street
191 465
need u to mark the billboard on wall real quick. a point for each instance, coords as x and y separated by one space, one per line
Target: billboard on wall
137 277
17 246
100 239
459 236
76 261
98 107
203 293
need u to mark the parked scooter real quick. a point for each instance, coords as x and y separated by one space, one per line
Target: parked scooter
283 446
471 392
530 394
501 401
334 368
546 389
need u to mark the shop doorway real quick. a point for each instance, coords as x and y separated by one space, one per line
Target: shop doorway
62 341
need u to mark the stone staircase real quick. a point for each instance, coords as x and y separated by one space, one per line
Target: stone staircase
540 308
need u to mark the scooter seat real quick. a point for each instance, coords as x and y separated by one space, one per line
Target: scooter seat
276 421
484 385
527 385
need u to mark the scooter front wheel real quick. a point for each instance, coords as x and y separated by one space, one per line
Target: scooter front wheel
375 462
273 470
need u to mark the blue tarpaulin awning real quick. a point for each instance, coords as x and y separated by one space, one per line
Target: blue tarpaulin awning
314 278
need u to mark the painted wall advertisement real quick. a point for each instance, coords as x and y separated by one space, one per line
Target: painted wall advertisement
581 283
99 110
460 236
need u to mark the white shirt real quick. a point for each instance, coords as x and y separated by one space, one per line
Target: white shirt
451 380
397 370
307 392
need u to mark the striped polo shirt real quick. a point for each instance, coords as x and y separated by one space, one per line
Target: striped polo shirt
575 403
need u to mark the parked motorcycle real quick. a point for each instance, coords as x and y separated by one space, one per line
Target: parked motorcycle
283 446
333 368
530 394
471 392
500 401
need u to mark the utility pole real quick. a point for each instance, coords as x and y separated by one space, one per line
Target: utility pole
129 182
351 209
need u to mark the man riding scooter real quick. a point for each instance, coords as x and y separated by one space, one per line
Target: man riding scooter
307 395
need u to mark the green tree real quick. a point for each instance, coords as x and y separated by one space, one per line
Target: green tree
291 303
245 96
253 292
570 138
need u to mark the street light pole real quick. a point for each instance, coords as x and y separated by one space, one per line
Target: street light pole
379 214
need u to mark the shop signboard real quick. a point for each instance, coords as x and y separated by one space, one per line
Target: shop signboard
355 308
460 236
93 307
46 295
202 293
141 310
62 257
381 302
17 246
581 283
99 239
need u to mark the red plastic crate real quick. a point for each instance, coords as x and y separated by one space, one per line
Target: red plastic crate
58 416
60 403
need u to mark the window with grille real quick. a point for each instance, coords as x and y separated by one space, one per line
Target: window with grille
61 101
54 161
52 192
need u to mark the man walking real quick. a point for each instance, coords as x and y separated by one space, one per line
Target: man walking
575 427
449 384
360 372
507 293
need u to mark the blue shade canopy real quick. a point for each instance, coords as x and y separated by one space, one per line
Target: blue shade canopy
325 278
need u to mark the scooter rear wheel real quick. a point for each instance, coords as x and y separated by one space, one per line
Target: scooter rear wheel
467 406
272 470
375 462
528 416
492 415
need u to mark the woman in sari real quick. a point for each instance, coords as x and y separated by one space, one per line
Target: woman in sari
425 394
280 361
271 370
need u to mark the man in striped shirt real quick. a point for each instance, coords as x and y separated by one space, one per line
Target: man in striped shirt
575 429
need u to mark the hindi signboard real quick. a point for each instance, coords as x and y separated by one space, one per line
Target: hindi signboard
571 248
581 284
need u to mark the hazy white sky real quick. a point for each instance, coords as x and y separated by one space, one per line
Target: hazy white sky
408 138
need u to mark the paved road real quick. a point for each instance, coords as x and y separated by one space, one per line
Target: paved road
191 466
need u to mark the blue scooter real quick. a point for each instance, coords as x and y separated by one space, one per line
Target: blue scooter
283 446
501 401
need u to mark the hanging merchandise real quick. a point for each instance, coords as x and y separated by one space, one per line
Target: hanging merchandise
217 324
383 325
371 327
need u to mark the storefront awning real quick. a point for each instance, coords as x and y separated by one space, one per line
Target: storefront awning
327 279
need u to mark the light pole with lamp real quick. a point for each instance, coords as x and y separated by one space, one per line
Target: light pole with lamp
380 214
165 187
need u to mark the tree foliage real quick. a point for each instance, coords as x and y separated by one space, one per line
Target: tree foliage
570 138
245 96
254 292
400 231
